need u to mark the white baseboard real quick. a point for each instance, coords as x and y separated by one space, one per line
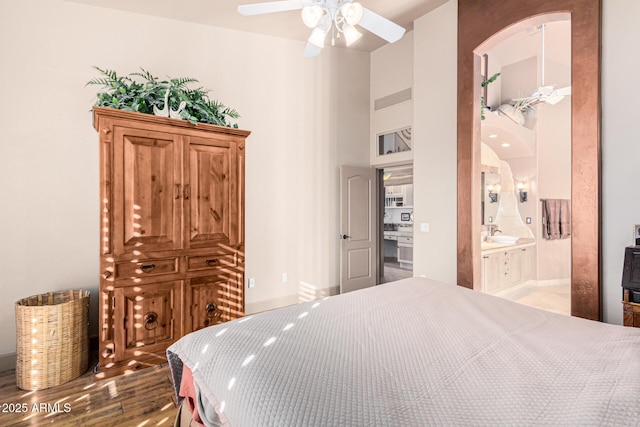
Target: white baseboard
271 304
7 362
554 282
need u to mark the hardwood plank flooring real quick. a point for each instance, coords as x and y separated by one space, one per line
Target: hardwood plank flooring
141 399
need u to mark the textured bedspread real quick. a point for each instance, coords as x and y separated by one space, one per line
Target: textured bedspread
413 353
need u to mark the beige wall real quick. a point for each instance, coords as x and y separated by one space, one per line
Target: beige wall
554 182
434 135
391 72
307 117
620 148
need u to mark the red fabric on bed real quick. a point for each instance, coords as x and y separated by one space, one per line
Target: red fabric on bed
188 391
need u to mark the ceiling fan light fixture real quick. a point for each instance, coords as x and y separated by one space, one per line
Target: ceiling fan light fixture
351 35
311 15
318 37
352 13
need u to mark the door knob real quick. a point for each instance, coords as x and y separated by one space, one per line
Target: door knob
344 237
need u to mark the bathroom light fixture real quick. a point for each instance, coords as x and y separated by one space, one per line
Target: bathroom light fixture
523 194
493 195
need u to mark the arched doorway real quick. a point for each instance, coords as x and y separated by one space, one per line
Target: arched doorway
477 23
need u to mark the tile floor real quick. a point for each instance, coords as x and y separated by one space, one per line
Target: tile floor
555 298
393 272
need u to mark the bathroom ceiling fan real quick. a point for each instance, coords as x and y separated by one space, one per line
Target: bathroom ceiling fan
325 16
545 93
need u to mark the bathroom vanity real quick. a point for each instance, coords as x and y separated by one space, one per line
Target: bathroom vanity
506 265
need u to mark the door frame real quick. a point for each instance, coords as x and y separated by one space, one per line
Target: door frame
478 22
381 193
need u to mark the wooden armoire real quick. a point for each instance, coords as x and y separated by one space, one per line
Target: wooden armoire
171 233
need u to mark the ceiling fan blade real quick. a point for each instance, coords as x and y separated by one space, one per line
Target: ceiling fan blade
382 27
311 50
553 99
543 91
269 7
557 95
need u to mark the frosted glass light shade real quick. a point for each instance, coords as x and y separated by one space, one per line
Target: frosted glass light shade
311 15
352 13
317 37
351 35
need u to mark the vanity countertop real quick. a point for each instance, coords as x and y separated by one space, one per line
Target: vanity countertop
491 247
399 233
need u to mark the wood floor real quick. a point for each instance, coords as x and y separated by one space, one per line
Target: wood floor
144 398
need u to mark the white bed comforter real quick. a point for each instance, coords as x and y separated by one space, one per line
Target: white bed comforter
413 353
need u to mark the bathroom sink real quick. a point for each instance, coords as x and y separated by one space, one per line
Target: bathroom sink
503 239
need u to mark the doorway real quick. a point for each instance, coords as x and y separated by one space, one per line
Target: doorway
480 22
525 167
397 223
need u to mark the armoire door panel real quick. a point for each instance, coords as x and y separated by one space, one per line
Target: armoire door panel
213 300
147 171
151 318
211 197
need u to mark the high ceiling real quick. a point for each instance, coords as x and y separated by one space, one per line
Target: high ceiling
284 24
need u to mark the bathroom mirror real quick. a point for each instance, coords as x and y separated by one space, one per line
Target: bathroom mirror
490 197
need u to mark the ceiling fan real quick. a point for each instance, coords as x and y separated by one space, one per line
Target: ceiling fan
324 16
545 93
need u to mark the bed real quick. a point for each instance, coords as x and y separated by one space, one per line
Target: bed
410 353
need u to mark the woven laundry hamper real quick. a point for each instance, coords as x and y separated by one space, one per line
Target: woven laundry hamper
52 338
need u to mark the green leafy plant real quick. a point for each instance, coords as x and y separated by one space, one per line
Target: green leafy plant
485 83
141 91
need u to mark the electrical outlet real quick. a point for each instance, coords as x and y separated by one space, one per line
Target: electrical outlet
252 282
424 227
528 220
284 277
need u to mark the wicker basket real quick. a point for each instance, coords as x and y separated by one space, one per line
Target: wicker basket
52 338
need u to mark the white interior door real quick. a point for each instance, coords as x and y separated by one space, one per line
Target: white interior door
358 222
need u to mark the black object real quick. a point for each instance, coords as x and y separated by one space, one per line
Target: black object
631 273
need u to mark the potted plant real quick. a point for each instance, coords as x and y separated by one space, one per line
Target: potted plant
145 93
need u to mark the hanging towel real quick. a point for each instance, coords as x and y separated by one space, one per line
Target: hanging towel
556 219
565 219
